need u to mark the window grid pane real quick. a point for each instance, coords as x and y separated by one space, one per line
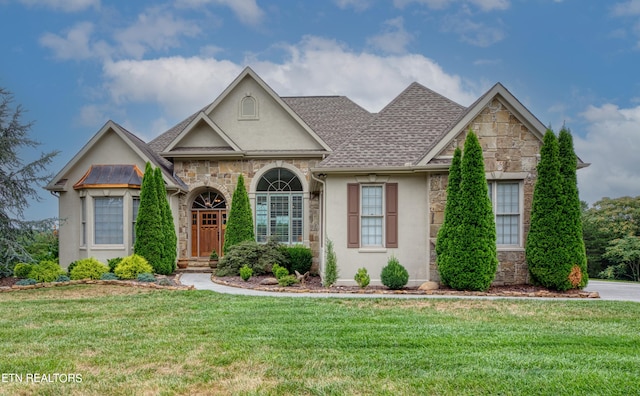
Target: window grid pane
279 217
108 221
296 218
371 216
261 217
508 202
506 206
508 229
83 201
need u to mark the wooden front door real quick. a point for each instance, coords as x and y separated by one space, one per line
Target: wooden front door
207 231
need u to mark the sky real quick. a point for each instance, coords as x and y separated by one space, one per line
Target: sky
75 64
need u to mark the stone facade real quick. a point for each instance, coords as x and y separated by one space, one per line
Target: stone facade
222 175
510 152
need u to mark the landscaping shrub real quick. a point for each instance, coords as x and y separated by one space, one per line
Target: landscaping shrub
362 277
113 263
149 224
146 277
62 278
245 273
394 275
279 271
88 268
46 271
26 282
258 257
109 276
287 280
21 270
452 219
240 220
132 266
331 266
299 258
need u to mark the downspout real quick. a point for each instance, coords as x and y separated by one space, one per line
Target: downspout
323 223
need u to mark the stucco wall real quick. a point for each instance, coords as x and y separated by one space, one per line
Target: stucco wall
510 153
412 229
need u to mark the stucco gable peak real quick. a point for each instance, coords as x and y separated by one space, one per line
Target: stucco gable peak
201 118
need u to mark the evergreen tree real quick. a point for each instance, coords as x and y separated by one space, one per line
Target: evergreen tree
240 221
474 259
572 207
548 258
149 234
169 233
451 219
17 185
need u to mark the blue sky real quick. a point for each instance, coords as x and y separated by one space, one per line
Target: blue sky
74 64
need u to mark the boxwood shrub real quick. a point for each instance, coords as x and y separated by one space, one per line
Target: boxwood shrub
46 271
300 258
21 270
132 266
394 275
258 257
88 268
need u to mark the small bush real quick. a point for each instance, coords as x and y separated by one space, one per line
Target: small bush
331 267
46 271
88 268
21 270
109 276
362 277
279 271
245 273
146 277
113 263
394 275
300 258
257 257
132 266
26 282
287 280
62 278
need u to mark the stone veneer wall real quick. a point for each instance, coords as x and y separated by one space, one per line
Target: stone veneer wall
508 146
222 175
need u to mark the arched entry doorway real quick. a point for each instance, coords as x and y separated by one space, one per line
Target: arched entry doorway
208 222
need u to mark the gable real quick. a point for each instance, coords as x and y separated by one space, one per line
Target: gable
275 127
508 145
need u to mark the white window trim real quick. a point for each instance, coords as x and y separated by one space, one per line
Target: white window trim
494 194
373 248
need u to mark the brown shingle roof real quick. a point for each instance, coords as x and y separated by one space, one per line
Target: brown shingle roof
400 134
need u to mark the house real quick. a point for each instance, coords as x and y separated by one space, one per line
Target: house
316 168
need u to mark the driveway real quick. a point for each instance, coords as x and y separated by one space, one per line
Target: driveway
618 291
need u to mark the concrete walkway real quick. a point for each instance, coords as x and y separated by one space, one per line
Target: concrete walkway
202 281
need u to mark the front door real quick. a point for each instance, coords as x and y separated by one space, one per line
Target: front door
207 231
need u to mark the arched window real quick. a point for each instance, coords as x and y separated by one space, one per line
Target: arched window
279 209
248 108
209 200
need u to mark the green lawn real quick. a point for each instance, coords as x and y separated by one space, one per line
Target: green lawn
131 342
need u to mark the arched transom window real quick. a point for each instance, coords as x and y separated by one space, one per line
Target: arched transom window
279 209
209 200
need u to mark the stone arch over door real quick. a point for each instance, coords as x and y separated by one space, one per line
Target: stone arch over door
208 211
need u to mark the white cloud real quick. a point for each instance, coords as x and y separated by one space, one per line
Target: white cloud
247 11
475 33
316 66
484 5
358 5
394 39
76 43
154 29
628 8
63 5
609 145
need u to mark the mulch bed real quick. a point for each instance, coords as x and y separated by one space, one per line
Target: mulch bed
9 283
314 285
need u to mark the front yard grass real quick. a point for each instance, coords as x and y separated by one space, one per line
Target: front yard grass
199 342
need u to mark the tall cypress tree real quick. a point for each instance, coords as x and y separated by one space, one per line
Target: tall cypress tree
169 233
474 259
149 235
451 221
240 221
548 257
572 208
